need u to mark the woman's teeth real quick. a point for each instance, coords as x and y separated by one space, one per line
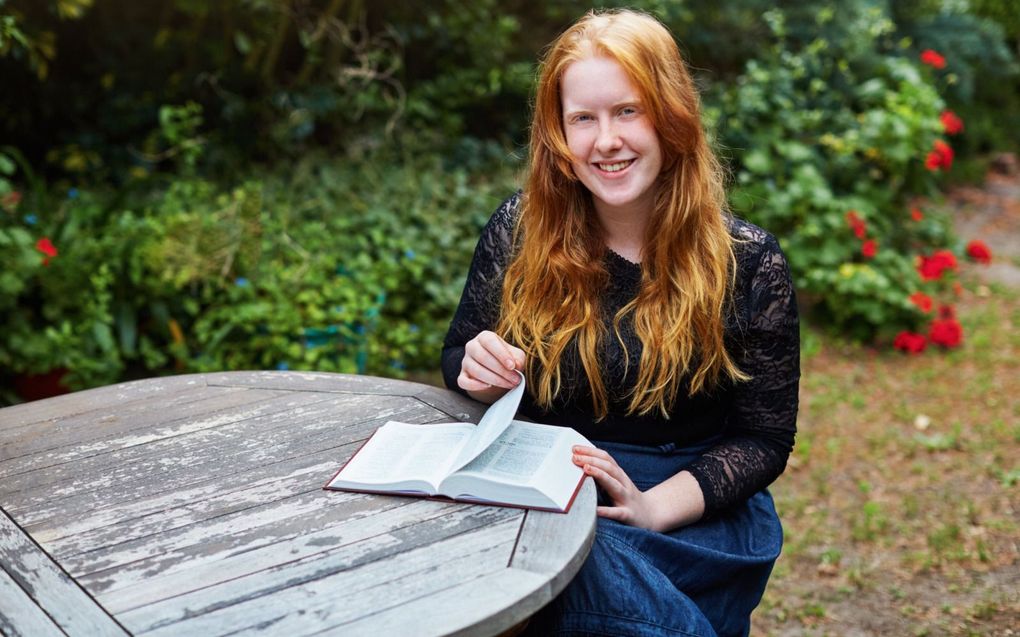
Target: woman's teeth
616 167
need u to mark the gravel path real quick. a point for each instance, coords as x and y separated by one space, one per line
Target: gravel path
991 213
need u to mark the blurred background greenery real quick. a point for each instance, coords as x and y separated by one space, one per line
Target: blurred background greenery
298 184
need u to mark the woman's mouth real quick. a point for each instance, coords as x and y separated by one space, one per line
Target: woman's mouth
614 167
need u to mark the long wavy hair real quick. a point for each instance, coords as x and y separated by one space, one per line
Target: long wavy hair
552 287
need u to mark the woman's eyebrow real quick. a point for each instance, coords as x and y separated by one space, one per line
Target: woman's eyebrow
626 102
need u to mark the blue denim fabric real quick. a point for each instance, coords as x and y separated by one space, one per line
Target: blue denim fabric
703 579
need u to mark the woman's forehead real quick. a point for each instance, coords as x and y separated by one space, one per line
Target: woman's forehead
596 80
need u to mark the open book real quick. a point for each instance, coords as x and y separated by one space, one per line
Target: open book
498 461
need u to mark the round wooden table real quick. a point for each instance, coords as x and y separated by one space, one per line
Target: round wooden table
193 505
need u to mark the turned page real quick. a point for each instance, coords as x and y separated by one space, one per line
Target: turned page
492 425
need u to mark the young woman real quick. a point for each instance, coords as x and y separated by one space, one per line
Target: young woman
650 320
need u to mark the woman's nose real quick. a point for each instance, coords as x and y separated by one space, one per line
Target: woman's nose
608 139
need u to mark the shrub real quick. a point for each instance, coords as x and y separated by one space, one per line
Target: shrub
833 141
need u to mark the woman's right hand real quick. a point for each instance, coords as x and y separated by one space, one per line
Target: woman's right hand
489 366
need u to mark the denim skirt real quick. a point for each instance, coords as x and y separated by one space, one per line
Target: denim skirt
703 579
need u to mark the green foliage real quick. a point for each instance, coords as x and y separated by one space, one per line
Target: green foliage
838 125
179 127
336 265
58 310
359 269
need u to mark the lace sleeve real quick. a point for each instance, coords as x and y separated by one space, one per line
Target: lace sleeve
762 420
479 302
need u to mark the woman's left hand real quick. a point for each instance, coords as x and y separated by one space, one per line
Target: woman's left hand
630 505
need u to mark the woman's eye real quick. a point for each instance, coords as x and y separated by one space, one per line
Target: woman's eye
628 110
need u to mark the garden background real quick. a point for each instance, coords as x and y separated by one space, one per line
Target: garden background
191 186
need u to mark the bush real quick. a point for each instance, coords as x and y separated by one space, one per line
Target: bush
833 141
348 265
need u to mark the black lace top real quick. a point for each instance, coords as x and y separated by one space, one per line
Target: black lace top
754 422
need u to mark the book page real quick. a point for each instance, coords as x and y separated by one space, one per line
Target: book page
517 454
495 421
528 465
400 452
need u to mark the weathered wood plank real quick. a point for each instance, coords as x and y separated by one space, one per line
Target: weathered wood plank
20 616
350 594
100 398
316 382
78 430
555 545
230 463
344 546
178 437
128 563
361 538
457 407
481 607
66 605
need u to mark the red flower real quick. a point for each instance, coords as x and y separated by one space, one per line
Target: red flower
933 59
869 248
46 246
947 312
940 156
916 214
951 122
922 301
856 224
979 252
947 258
931 268
946 332
910 342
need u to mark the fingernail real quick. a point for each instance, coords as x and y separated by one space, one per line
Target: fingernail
509 363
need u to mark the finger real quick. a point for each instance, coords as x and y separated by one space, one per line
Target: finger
484 354
619 514
467 383
611 485
520 358
479 372
502 350
605 462
594 452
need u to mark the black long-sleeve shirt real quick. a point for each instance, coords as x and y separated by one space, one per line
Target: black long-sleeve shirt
754 420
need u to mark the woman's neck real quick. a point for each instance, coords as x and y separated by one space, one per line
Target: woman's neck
624 231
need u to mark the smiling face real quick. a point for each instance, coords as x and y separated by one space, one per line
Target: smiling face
615 149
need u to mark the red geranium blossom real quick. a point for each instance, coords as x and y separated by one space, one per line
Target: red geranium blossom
869 248
916 214
922 301
951 122
931 268
978 251
946 332
46 246
940 156
856 224
910 342
933 59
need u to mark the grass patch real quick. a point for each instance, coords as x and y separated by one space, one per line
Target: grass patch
904 487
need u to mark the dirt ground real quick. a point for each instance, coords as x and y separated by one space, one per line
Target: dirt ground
901 503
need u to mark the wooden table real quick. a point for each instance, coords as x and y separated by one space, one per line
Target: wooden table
192 505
